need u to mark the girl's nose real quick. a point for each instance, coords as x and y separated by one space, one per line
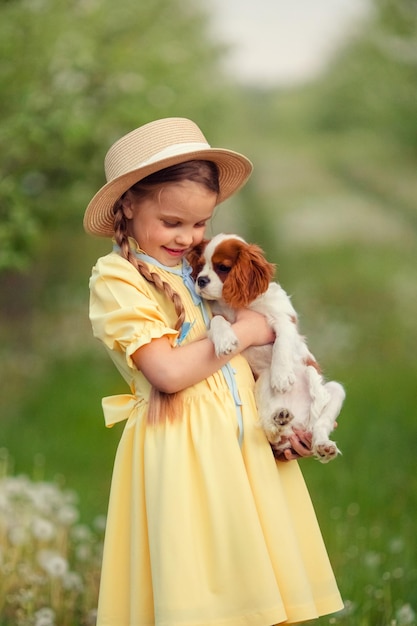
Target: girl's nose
185 238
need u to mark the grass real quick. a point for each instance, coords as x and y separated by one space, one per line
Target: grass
367 499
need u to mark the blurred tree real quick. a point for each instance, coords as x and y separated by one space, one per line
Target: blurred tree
373 82
73 77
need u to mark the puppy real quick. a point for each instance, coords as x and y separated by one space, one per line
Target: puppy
290 390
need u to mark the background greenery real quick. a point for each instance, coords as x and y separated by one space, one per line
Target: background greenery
332 201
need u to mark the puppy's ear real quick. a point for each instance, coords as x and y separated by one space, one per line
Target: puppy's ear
249 277
194 258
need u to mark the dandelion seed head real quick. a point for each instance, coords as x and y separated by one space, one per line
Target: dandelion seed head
372 559
72 582
45 617
83 552
53 563
24 597
43 529
46 498
396 545
34 515
81 532
15 486
68 515
405 615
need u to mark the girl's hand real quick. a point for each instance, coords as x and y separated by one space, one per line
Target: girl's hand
257 330
300 442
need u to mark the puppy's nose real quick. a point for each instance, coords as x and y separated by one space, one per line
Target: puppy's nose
202 281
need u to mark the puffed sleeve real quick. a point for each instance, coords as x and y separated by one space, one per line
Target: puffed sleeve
123 311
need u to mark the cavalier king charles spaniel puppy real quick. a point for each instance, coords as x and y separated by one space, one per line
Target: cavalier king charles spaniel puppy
290 391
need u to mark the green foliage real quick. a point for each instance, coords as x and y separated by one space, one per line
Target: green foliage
373 83
74 77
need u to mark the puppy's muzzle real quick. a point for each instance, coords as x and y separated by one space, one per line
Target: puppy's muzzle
203 281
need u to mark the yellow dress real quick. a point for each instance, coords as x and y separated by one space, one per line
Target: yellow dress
202 529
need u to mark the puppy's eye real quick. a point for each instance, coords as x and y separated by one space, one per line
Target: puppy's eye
223 269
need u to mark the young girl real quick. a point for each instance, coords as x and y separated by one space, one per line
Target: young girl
204 526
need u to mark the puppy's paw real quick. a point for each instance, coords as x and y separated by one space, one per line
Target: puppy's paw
222 335
274 424
282 382
282 417
226 345
325 451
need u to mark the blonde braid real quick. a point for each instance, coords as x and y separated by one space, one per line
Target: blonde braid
122 240
161 405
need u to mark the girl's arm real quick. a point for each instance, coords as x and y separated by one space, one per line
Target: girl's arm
171 369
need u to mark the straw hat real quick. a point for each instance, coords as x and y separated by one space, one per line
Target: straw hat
151 148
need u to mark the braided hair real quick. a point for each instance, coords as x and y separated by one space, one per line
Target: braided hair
162 405
121 237
203 172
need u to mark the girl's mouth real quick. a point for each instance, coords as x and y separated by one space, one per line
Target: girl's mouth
176 253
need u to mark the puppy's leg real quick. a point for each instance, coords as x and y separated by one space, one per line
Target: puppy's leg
323 448
222 335
273 415
284 348
318 393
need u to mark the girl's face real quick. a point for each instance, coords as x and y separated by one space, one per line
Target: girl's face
167 224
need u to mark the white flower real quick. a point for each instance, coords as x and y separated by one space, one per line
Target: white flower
72 581
38 525
372 559
45 617
53 563
396 545
81 532
46 497
68 514
83 552
405 615
43 529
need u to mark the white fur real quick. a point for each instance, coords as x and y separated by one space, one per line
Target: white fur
289 394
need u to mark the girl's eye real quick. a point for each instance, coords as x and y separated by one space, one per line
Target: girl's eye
170 224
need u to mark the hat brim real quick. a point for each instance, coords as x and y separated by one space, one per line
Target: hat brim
234 170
